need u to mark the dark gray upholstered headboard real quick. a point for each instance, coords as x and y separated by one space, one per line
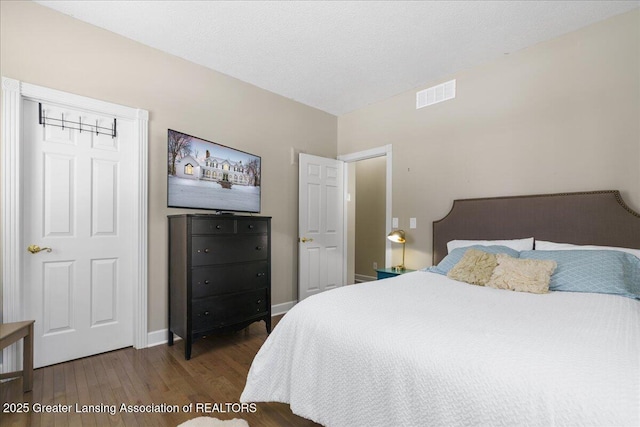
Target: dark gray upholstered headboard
594 217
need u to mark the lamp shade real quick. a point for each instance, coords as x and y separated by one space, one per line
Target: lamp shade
396 236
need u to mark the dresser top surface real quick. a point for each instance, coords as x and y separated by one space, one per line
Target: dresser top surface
218 216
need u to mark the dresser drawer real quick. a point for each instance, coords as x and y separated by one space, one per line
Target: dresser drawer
211 250
250 225
209 281
212 226
213 312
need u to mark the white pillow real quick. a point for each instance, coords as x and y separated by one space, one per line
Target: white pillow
515 244
541 245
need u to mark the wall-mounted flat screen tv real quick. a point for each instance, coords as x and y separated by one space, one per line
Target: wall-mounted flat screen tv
206 175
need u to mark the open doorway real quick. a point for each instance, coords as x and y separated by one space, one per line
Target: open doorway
368 212
370 227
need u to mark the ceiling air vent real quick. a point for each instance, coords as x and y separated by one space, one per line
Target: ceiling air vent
435 94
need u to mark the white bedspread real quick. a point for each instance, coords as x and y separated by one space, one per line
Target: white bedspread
424 350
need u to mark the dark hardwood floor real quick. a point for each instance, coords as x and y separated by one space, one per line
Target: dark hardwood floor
158 375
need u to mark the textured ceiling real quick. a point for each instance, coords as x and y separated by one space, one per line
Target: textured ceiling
340 56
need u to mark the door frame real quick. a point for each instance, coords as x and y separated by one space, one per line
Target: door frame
386 151
14 92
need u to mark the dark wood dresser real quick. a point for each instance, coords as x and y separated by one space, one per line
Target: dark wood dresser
219 274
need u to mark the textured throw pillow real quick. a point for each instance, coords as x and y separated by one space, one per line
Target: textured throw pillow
475 267
522 275
456 255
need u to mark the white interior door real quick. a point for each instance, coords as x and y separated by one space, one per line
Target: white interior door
320 225
79 203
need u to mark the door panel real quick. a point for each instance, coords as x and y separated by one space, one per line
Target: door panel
58 195
104 287
104 203
321 218
58 297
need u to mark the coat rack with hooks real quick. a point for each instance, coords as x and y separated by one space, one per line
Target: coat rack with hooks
79 125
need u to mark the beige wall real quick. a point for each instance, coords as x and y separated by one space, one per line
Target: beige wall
563 115
50 49
370 236
560 116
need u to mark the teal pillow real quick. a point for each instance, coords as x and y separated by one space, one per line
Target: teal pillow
606 272
456 255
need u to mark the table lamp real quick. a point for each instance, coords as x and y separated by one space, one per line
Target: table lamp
397 236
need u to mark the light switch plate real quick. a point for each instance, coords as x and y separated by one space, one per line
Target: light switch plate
412 223
395 223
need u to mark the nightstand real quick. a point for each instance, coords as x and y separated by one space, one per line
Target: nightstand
385 273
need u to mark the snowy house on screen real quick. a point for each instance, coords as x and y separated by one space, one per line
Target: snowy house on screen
213 169
188 168
216 169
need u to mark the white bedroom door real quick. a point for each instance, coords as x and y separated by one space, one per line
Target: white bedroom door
320 225
79 204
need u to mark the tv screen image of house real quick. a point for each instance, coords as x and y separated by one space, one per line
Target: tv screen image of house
206 175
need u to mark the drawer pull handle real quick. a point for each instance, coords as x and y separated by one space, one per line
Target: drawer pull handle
218 227
206 282
261 274
206 313
250 226
206 250
259 301
258 248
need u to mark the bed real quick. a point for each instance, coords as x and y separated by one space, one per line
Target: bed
425 349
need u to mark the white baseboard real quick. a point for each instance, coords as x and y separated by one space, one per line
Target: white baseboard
278 309
362 278
160 337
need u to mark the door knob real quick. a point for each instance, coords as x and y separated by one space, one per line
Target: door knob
305 240
34 249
